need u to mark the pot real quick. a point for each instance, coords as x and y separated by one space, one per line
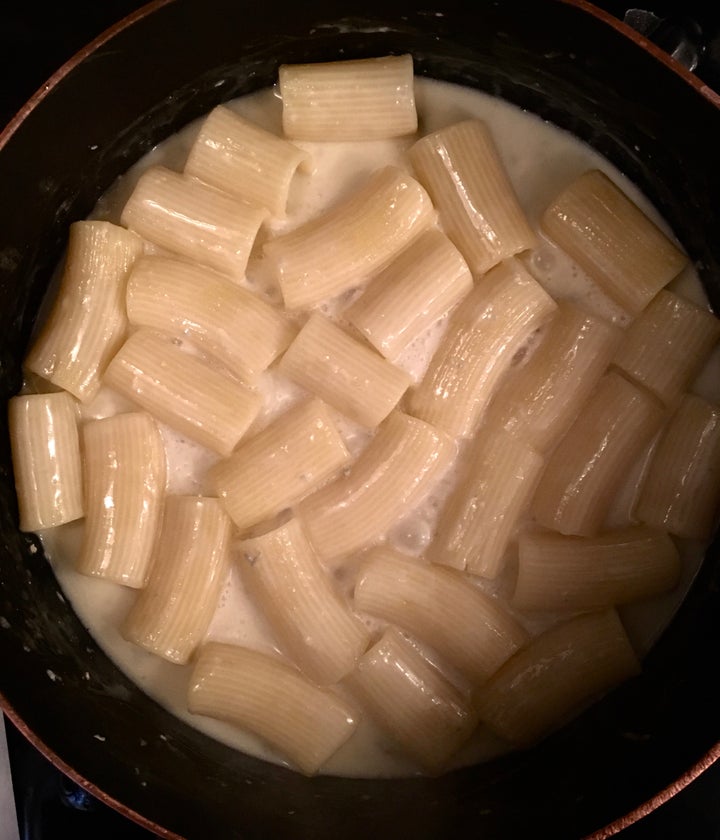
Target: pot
169 63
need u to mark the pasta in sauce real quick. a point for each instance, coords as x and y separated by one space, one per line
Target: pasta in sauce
377 467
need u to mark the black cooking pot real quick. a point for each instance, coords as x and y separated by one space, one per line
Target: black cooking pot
170 63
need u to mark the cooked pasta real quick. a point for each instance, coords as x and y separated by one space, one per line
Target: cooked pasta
183 390
681 491
46 459
124 476
440 607
611 239
194 220
592 460
404 460
495 320
87 323
273 700
423 283
554 676
347 374
312 624
557 572
362 99
228 321
190 566
243 159
343 247
282 464
461 169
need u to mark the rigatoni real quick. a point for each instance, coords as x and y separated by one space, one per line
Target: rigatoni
311 622
412 701
480 516
441 608
553 677
124 477
243 159
279 466
46 459
426 280
667 344
461 169
362 99
592 460
539 401
183 390
193 219
228 321
681 489
557 572
347 374
403 462
190 566
611 239
87 323
346 245
477 350
268 697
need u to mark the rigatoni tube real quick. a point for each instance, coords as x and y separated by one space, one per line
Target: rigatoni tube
441 608
401 465
557 572
124 478
313 625
190 566
183 390
461 169
279 466
46 459
87 322
270 698
591 462
343 247
361 99
477 350
613 240
343 371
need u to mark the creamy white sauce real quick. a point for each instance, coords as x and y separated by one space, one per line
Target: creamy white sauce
540 160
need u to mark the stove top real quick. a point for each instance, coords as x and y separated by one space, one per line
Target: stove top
35 40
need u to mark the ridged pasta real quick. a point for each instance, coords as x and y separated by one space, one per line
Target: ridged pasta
343 247
559 672
347 374
420 285
282 464
46 459
611 239
362 99
440 607
183 390
243 159
592 460
190 566
87 322
461 169
557 572
273 700
391 476
478 348
193 219
681 491
313 625
124 476
228 321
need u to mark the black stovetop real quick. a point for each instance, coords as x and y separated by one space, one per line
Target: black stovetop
35 40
